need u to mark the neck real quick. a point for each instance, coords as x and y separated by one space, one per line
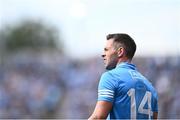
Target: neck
125 59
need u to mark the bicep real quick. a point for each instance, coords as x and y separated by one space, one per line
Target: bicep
106 90
102 110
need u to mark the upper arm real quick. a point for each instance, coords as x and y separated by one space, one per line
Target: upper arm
106 91
102 110
106 88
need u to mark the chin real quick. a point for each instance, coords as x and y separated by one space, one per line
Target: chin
110 67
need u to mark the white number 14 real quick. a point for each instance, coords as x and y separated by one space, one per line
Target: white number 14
146 98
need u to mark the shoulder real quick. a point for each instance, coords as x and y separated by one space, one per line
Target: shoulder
106 75
108 79
109 75
114 72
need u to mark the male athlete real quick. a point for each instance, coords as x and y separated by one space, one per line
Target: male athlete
123 92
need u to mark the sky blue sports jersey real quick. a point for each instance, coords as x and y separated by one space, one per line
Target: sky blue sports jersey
132 95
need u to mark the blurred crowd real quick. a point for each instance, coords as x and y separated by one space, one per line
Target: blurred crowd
52 85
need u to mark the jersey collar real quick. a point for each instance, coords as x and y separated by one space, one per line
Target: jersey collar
126 65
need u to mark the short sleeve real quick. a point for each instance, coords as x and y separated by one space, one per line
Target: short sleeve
106 88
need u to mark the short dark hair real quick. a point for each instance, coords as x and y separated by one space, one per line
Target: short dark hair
125 41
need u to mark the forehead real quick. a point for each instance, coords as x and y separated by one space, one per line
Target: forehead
109 43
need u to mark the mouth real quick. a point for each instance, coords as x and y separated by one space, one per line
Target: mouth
104 61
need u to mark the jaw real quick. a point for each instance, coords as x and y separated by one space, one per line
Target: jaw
110 66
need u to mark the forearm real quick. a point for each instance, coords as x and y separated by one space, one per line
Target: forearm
101 111
96 117
92 117
155 115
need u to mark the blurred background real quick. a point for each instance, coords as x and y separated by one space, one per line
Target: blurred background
50 61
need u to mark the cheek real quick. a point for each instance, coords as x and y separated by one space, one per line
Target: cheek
109 57
113 57
108 54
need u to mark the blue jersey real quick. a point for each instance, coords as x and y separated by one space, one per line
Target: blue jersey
131 94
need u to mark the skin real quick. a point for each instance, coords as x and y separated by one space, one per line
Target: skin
112 56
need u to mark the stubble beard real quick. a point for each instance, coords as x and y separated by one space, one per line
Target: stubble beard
112 63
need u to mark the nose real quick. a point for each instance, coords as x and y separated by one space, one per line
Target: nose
103 55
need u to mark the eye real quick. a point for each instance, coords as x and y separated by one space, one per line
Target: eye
105 49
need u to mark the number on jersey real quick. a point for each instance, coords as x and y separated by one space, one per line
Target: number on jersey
146 99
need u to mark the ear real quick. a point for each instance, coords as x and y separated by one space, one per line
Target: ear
120 51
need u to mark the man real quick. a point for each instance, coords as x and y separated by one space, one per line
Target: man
123 92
